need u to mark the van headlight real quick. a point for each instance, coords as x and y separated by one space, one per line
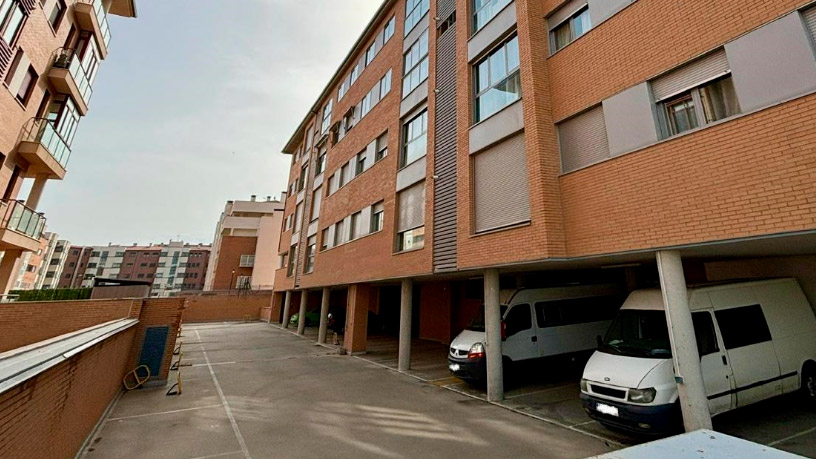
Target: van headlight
642 395
584 386
476 351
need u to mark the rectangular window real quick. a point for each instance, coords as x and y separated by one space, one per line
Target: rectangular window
327 112
57 12
298 216
415 139
317 198
339 230
583 140
743 326
304 174
27 86
411 217
697 107
485 10
388 31
704 332
415 65
385 84
343 175
243 282
290 269
377 217
360 163
500 186
415 10
310 254
497 80
382 147
411 239
371 53
570 29
247 261
324 239
356 231
11 20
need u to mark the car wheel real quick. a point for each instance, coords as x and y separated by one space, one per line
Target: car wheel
809 383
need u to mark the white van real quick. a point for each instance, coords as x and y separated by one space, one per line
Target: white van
756 340
537 323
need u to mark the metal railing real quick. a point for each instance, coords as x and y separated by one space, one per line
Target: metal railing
22 219
66 58
42 130
101 18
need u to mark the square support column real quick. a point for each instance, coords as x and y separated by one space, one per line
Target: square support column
287 303
689 375
9 268
304 298
359 298
324 315
406 311
493 341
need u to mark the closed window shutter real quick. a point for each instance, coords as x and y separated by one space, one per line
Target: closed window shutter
501 196
411 207
583 140
565 12
810 20
691 75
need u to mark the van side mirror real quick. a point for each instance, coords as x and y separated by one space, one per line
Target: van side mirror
599 340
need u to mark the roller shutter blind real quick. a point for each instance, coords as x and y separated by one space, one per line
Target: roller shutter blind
691 75
583 140
565 12
411 207
810 20
501 196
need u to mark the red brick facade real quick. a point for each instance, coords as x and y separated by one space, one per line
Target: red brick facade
229 260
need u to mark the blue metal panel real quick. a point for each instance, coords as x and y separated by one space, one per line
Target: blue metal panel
153 347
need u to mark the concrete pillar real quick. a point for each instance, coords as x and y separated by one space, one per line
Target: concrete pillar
354 340
406 311
688 373
9 268
36 191
493 342
304 297
324 315
287 302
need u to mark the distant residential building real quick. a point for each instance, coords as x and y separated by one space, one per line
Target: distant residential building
52 270
243 252
31 272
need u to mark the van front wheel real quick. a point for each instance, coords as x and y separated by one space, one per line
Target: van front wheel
809 383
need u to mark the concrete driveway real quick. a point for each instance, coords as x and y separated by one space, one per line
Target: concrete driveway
254 390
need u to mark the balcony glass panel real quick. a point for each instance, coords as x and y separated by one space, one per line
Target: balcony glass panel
23 220
42 130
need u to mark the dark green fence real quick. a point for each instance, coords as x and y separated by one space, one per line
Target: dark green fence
52 294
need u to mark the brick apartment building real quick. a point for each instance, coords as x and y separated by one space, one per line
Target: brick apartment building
50 53
244 254
33 265
173 267
466 146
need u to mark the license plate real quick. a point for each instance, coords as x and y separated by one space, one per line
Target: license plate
606 409
454 367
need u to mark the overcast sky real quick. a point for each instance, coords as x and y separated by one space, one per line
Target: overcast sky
192 108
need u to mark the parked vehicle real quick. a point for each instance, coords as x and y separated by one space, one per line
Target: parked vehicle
756 340
312 318
538 323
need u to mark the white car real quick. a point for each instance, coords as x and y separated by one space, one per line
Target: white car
756 340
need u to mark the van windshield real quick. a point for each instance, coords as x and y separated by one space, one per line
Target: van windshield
478 322
638 333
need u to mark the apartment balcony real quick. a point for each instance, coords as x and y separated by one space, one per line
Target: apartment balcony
44 149
90 15
68 77
21 227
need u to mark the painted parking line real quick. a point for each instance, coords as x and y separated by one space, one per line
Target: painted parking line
540 391
212 456
182 410
796 435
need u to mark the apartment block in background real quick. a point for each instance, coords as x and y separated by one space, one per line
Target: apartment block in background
548 142
54 265
31 274
50 54
244 254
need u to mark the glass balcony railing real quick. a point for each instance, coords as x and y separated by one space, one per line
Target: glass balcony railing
42 131
101 18
66 58
21 219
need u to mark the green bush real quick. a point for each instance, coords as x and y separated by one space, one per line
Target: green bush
53 294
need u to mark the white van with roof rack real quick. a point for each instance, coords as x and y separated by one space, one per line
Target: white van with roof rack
756 340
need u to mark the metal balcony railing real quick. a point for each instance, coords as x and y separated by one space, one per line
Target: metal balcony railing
101 18
67 58
21 219
42 130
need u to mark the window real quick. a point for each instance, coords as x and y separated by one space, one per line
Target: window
324 239
411 239
339 233
282 261
310 254
371 53
377 217
317 198
57 12
518 320
704 331
355 73
356 229
385 84
143 265
327 112
704 105
382 147
365 105
243 282
415 65
298 216
415 139
498 81
414 11
485 10
27 86
321 163
360 163
388 31
247 261
411 218
376 94
11 20
65 117
570 29
291 268
576 311
743 326
343 175
304 174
